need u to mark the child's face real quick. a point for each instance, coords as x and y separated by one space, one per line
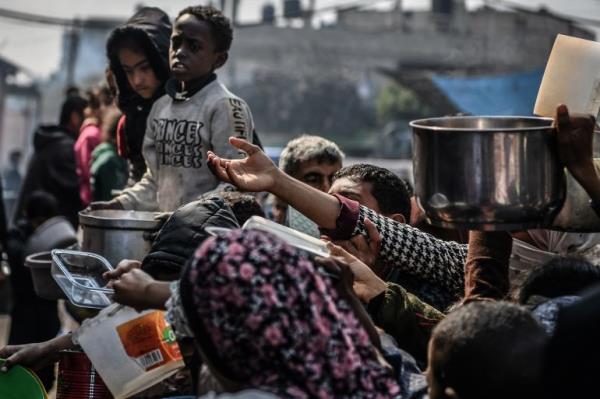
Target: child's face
139 72
193 54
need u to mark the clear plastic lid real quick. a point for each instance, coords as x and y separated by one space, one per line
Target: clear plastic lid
79 275
293 237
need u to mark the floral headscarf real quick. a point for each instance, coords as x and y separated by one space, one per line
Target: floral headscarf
276 323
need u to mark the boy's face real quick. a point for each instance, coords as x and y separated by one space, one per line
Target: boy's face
139 72
359 191
193 55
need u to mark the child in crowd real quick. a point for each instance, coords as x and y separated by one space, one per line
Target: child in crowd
138 53
108 170
197 115
52 167
90 136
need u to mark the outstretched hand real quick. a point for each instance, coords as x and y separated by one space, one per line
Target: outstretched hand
100 205
35 355
256 172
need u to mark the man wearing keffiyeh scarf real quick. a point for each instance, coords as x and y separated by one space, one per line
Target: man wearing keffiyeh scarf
264 316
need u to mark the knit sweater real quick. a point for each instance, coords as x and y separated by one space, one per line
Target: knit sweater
178 135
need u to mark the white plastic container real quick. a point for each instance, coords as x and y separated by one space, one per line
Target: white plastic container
293 237
123 374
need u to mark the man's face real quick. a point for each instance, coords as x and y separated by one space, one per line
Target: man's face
279 211
357 191
193 55
139 72
318 175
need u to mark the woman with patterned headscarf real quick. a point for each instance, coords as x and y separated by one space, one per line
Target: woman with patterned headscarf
266 319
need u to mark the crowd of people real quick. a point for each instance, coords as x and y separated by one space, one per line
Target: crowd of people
399 309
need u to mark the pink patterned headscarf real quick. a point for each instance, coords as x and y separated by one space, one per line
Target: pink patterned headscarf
276 323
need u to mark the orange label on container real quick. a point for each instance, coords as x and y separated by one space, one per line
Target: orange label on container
149 340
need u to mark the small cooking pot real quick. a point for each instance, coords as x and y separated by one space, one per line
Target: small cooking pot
487 173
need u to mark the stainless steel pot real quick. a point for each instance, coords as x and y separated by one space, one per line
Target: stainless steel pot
487 173
117 234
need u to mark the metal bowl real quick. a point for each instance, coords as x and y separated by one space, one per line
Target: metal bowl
44 285
487 173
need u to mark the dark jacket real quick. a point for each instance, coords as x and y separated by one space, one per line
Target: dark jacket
52 169
151 28
182 233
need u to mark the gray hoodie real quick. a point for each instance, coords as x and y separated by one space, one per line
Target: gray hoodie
179 132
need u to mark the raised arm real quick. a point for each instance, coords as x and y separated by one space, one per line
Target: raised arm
419 254
575 149
404 247
257 172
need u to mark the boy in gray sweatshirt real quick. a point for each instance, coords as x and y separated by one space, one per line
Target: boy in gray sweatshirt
198 114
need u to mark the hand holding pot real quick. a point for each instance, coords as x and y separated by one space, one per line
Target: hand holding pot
575 145
113 204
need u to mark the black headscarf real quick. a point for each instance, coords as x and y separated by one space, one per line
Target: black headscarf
150 27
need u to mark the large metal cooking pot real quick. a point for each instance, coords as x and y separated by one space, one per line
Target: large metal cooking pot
487 173
117 234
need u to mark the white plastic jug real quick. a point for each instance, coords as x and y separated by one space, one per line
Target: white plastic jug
131 351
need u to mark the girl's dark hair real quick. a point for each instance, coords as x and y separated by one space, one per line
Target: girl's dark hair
73 103
41 204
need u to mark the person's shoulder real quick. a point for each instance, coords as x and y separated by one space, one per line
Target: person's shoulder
162 100
219 93
160 106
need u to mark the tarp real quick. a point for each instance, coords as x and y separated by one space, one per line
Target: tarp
510 94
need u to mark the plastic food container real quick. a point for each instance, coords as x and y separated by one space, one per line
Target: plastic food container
293 237
79 275
44 285
131 351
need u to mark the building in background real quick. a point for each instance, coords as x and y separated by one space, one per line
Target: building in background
329 80
82 64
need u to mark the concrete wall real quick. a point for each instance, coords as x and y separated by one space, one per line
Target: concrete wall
359 45
365 41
